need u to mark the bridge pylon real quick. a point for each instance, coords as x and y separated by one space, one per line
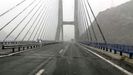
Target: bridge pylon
61 23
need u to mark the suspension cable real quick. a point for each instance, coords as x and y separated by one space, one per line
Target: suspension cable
97 22
42 28
43 35
89 31
21 21
27 23
36 25
44 31
85 7
32 24
50 23
82 19
17 16
86 24
12 8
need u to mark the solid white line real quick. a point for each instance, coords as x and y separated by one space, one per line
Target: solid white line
40 72
12 54
113 64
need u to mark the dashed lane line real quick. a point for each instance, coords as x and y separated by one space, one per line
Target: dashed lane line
40 72
61 51
35 71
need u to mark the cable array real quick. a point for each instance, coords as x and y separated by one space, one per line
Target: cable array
35 21
85 22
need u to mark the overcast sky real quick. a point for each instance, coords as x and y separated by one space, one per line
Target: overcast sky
97 5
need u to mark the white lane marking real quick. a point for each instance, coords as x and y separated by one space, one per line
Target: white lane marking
40 66
40 72
113 64
12 54
61 51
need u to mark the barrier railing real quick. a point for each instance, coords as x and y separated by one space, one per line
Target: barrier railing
25 45
128 49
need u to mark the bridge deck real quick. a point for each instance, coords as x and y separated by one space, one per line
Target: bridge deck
57 59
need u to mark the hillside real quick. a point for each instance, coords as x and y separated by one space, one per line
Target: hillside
117 24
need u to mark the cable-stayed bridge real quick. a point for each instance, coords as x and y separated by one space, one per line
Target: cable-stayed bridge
32 42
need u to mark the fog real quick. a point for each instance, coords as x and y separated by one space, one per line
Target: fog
68 9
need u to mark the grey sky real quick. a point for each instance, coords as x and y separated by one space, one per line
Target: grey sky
97 5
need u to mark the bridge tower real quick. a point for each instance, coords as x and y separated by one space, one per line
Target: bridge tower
61 23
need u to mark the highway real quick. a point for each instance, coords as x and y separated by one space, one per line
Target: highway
57 59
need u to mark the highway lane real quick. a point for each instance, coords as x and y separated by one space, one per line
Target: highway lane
29 62
57 59
76 61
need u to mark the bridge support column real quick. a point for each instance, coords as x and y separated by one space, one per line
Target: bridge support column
59 32
76 21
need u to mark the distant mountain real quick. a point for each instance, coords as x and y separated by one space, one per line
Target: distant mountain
117 24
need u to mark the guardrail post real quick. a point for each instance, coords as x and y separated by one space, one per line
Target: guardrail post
13 50
3 47
130 55
120 53
27 47
30 47
115 51
110 50
103 48
18 48
23 48
106 49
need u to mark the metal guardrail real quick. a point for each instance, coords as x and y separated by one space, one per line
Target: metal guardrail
16 42
18 46
113 47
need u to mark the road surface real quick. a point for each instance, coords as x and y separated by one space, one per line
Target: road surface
57 59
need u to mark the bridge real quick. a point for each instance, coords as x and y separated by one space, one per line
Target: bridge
32 42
